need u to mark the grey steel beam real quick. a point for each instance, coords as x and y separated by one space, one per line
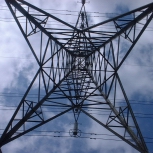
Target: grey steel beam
9 139
135 41
120 16
141 146
47 14
133 22
30 18
6 136
115 133
12 118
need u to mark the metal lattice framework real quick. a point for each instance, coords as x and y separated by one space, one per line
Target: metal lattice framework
78 70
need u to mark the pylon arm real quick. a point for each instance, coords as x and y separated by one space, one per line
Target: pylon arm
8 138
14 3
118 114
149 6
36 23
115 133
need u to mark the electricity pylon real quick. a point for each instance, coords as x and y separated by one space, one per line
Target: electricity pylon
78 70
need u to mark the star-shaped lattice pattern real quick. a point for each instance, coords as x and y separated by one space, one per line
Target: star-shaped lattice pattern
78 70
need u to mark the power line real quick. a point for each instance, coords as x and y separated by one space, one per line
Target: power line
85 133
133 101
137 114
65 10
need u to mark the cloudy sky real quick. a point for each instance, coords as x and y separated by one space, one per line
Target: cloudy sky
18 67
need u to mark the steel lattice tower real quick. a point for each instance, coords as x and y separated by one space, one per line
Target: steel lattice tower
77 64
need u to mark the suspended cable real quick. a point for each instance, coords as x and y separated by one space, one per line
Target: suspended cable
101 114
85 133
81 137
